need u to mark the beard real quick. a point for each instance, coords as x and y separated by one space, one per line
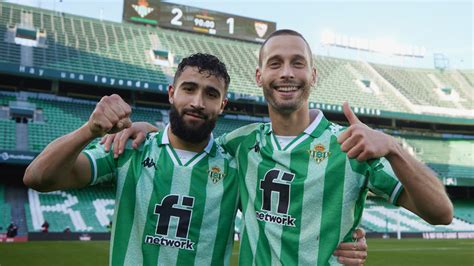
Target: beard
187 131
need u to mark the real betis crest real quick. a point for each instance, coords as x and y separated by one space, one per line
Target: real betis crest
319 153
215 174
142 8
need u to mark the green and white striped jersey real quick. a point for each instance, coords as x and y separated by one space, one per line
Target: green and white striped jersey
300 201
166 212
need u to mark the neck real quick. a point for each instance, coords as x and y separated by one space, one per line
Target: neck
181 144
291 124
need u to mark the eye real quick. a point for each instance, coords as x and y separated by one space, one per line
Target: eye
213 94
188 89
274 64
299 64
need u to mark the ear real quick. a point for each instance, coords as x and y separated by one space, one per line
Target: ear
314 76
170 93
258 76
223 104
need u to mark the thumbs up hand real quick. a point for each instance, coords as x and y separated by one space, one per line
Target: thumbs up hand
361 142
349 114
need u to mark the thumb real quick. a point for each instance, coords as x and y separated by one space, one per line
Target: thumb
358 234
126 122
349 114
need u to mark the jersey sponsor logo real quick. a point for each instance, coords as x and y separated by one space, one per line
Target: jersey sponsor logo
148 163
215 174
177 206
276 219
276 183
142 8
319 153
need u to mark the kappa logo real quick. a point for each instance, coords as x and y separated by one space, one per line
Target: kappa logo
319 153
142 8
215 174
261 28
256 147
335 128
148 163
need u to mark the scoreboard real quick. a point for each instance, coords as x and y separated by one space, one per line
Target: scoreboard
198 20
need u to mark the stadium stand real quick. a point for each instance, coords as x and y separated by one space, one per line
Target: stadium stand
7 126
8 133
86 210
85 45
429 87
380 216
464 210
62 115
5 217
447 157
348 78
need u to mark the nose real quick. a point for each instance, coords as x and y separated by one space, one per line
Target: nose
287 72
198 101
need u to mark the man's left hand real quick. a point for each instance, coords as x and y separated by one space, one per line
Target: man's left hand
361 142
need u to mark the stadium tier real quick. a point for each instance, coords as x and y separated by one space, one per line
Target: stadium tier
449 158
464 210
87 210
380 216
120 50
5 208
7 127
62 115
8 133
430 87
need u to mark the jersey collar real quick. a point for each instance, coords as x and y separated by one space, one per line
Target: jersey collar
315 128
209 149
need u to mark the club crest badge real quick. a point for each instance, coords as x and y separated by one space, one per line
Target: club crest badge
261 28
319 153
142 8
215 174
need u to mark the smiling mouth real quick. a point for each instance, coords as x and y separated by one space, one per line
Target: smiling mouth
286 88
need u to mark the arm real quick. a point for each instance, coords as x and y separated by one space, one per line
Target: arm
423 193
137 132
61 165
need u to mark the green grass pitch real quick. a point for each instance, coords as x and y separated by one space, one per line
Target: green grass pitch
381 252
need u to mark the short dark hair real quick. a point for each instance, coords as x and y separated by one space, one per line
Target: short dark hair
280 33
205 63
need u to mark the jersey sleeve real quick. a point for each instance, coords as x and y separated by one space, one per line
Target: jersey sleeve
228 143
383 181
232 140
102 164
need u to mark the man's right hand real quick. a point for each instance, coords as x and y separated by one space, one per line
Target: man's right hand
111 115
136 132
